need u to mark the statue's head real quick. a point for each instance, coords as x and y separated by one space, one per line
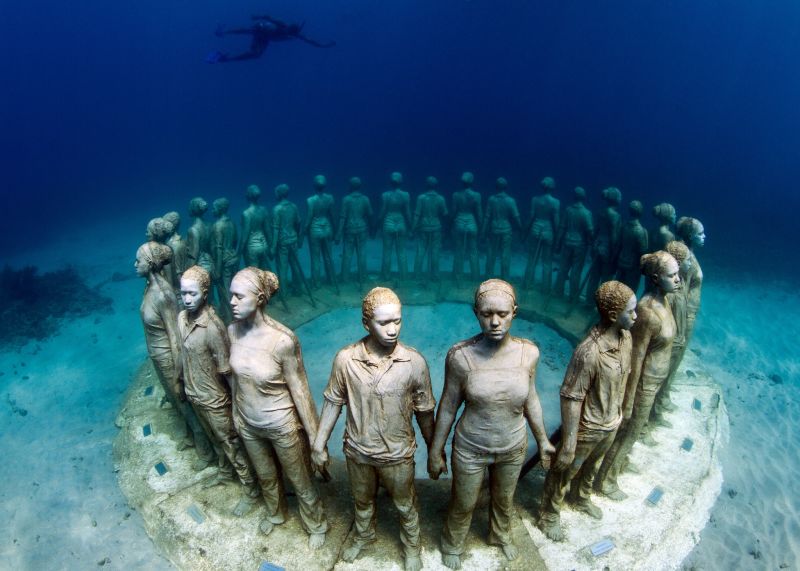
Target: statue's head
253 193
198 207
431 182
612 195
355 183
382 316
152 257
660 271
173 218
320 182
501 184
548 184
159 230
495 306
220 206
635 209
579 194
664 212
616 304
251 289
195 283
281 191
680 252
467 178
691 231
396 179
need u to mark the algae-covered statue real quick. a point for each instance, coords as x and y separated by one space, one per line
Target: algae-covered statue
634 245
319 230
662 234
255 244
493 374
159 313
574 236
467 214
160 230
652 336
429 215
287 237
591 407
273 410
206 373
693 234
224 253
383 383
354 227
544 222
499 221
395 218
179 263
605 249
198 238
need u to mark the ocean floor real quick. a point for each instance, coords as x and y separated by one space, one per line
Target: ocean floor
61 508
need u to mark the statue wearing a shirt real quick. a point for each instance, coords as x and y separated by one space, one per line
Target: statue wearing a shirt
383 383
591 407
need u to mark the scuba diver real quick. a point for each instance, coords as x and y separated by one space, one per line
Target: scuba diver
265 29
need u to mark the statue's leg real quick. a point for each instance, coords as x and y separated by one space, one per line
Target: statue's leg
386 261
435 251
363 487
576 272
398 479
490 257
347 252
589 453
327 259
505 255
530 267
458 253
361 255
503 476
420 255
402 261
472 251
563 269
468 469
547 264
262 456
315 251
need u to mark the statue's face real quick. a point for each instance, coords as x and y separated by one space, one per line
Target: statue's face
244 301
669 279
192 295
495 312
627 317
686 265
141 265
699 239
385 324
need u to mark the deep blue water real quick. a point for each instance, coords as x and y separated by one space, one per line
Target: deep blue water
110 110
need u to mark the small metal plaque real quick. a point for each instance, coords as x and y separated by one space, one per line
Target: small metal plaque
161 468
654 496
687 444
602 547
147 430
195 513
148 391
696 404
267 566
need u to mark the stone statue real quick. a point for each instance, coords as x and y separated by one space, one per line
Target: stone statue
207 378
354 226
574 236
319 229
591 407
662 234
273 410
255 244
287 237
692 233
493 374
634 245
429 214
198 239
544 222
499 221
159 313
224 254
652 335
160 230
678 303
383 383
395 217
605 249
179 263
467 214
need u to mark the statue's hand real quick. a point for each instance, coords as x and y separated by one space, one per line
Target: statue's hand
564 459
437 465
320 460
546 452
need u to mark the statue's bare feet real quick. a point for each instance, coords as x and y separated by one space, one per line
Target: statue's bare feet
451 561
413 563
589 508
244 505
217 480
552 530
351 552
612 492
510 551
316 540
266 526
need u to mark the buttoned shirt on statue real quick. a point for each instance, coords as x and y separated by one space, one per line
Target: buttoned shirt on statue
596 375
381 395
205 358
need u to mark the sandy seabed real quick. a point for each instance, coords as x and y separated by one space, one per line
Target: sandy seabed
61 508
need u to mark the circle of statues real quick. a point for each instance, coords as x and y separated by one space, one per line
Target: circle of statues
243 394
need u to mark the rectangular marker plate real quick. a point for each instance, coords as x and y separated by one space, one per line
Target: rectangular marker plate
696 404
267 566
146 430
148 391
655 496
197 515
687 444
602 547
161 468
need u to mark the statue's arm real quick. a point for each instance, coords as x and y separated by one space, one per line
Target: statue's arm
295 376
452 397
169 314
641 334
570 417
534 416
